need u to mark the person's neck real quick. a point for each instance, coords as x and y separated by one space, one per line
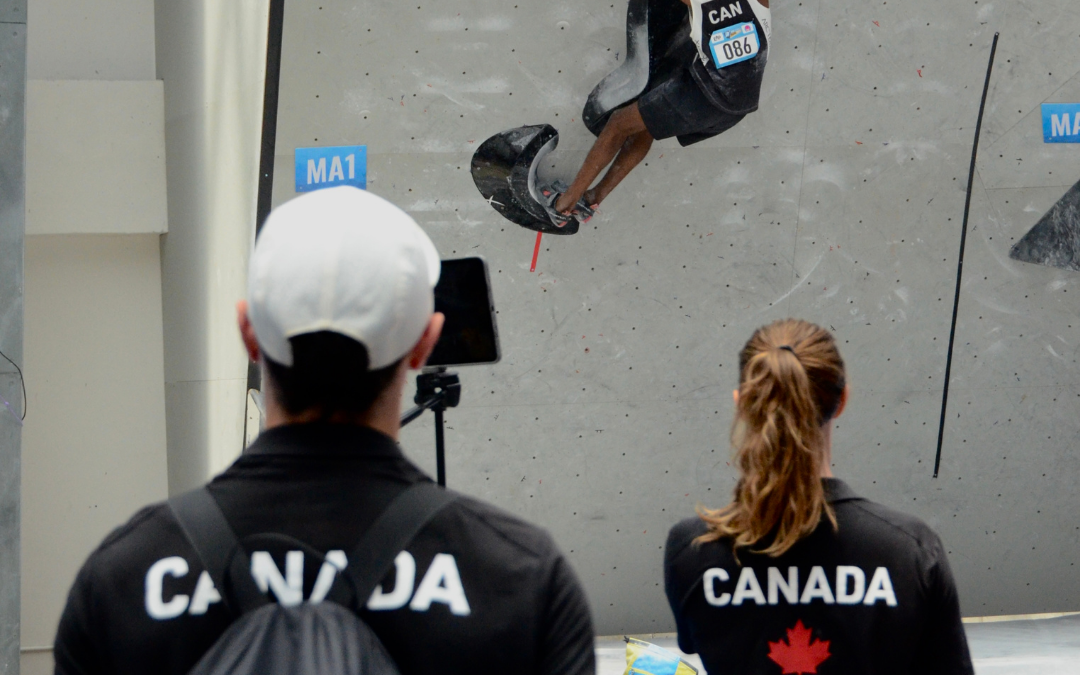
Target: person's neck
385 424
826 464
383 416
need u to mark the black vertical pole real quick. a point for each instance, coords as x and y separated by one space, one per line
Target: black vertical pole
960 265
270 111
271 84
440 448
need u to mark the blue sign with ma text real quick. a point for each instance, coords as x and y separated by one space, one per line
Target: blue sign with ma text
318 168
1061 122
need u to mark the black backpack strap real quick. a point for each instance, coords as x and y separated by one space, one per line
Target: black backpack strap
225 560
218 549
391 532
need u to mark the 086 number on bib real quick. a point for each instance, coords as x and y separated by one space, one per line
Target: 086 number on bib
734 44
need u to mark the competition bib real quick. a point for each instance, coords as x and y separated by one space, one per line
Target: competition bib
734 44
727 32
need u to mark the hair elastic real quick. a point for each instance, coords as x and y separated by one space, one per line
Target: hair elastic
787 348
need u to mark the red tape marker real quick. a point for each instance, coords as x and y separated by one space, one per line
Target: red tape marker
536 251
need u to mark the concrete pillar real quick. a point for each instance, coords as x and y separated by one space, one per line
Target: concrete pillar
211 56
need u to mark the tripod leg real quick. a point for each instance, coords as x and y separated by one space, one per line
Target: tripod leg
440 448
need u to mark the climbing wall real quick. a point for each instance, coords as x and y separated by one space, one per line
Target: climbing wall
12 398
840 201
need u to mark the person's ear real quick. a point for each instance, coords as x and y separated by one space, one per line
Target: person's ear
843 402
247 331
420 353
735 397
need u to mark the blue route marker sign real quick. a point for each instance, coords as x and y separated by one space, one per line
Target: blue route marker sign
318 168
1061 122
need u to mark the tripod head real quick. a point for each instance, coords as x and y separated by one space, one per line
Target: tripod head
444 386
436 390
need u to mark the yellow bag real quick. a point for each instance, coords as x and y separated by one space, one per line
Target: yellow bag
645 658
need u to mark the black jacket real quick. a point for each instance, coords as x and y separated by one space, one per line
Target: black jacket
486 591
873 597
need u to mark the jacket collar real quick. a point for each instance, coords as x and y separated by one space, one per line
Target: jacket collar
323 439
837 490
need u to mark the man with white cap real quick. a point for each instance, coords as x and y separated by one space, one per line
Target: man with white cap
339 308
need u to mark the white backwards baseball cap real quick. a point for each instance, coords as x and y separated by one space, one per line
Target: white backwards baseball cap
346 261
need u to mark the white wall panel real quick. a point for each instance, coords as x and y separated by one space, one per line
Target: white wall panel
94 448
95 157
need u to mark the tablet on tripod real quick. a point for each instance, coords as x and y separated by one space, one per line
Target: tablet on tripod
463 295
469 337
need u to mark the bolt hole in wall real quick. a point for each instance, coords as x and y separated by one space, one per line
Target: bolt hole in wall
840 200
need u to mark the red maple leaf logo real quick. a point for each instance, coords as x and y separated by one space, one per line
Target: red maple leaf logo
799 655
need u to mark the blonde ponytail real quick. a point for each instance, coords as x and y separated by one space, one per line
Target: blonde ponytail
790 384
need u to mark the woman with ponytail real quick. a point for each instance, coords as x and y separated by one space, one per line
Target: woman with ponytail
798 574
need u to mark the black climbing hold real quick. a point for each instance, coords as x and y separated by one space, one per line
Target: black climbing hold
504 170
655 31
1055 240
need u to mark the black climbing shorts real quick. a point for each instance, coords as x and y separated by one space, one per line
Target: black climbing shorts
677 107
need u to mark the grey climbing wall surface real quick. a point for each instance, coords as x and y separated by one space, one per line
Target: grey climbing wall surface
12 403
839 201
